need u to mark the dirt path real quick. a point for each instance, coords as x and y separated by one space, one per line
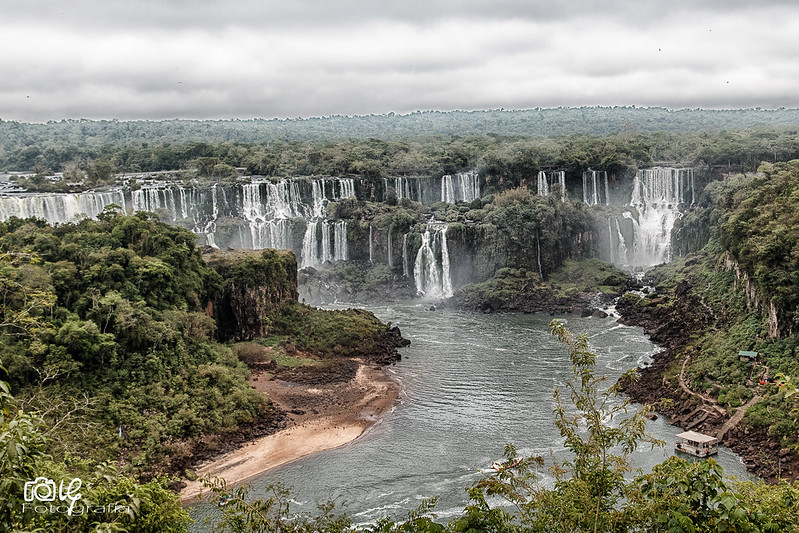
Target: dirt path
710 403
737 417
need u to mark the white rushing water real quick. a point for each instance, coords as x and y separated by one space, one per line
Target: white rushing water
431 269
657 195
460 187
592 187
257 214
463 187
58 208
547 179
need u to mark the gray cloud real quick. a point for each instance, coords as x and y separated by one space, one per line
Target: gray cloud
195 59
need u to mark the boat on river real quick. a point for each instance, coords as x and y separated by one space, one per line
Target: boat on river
696 444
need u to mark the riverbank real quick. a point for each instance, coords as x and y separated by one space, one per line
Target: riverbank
325 411
665 385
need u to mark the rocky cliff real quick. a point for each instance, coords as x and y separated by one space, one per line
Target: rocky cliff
254 285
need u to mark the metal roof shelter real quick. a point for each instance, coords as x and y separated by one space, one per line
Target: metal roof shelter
747 355
696 444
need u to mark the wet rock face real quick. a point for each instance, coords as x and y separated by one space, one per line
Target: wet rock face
254 285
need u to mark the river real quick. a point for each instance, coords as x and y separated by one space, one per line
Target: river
471 382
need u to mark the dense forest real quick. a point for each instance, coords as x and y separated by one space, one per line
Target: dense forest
503 143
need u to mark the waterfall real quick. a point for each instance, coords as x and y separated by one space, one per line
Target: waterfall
592 193
621 254
371 246
562 183
210 228
538 249
402 186
657 195
428 190
405 255
346 188
326 251
310 249
58 208
258 214
319 198
447 189
463 187
446 279
546 179
469 186
341 251
616 240
543 186
431 274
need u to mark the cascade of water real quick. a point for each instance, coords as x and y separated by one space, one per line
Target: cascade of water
319 198
432 277
326 250
447 190
340 241
405 255
58 208
405 186
346 188
310 249
592 194
657 194
538 254
446 279
543 186
463 187
562 182
371 246
470 186
184 204
621 253
210 228
425 271
261 210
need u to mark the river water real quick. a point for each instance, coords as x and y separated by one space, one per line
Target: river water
471 382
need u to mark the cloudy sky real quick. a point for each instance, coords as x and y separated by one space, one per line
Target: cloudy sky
152 59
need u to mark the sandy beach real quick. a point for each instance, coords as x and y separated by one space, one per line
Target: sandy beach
322 416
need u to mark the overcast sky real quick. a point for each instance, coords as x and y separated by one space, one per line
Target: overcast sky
155 59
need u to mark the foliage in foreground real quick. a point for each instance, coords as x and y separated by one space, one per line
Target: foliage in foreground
591 492
101 500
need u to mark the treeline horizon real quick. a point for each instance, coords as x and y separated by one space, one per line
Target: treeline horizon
21 143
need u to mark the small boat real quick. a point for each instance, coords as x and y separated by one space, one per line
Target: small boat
696 444
222 501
